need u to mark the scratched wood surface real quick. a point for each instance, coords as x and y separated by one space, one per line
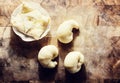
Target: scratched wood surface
98 39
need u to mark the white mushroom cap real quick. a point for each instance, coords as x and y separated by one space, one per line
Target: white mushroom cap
46 55
73 61
64 31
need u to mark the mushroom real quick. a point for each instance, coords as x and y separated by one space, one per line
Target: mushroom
64 31
46 55
73 61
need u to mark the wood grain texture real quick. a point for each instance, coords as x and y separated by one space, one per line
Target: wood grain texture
98 39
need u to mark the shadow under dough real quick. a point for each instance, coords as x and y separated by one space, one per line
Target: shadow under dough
78 77
46 74
27 49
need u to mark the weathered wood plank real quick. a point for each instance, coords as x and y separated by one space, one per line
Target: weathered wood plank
98 40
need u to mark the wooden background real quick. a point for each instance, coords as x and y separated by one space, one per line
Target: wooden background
98 39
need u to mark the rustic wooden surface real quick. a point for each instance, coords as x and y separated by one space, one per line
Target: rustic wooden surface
98 39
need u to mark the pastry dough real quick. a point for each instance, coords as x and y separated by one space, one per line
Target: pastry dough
64 31
46 55
30 19
73 61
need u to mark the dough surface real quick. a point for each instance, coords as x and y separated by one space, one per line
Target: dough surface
30 19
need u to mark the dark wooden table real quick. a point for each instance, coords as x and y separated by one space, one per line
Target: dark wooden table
98 39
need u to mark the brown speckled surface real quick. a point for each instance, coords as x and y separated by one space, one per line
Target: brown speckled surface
98 39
